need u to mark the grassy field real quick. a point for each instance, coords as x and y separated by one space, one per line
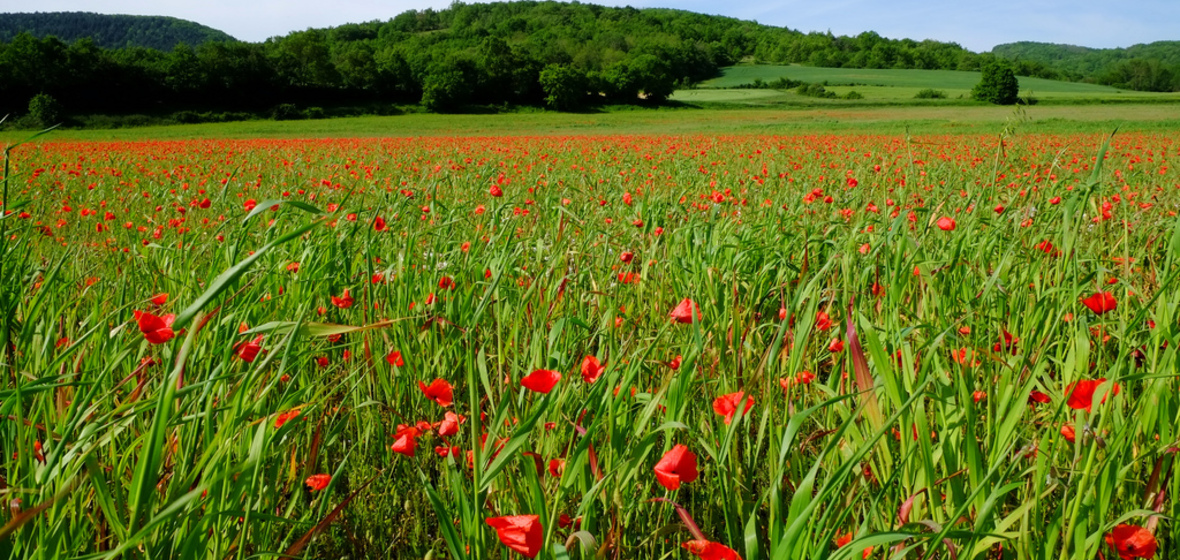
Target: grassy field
754 346
896 85
805 333
827 117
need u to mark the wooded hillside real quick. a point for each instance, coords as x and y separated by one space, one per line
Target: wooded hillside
110 31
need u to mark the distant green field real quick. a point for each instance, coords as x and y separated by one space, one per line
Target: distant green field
903 84
829 116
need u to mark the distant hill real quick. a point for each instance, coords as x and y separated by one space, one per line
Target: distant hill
1101 65
110 31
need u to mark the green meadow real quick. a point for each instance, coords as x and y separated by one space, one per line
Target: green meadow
887 85
827 116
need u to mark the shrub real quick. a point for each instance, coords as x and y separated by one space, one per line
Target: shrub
815 90
188 117
930 93
853 94
286 112
45 110
997 84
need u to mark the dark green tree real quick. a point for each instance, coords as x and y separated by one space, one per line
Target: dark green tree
447 85
564 86
997 84
44 109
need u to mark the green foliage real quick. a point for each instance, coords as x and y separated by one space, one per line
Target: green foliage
564 86
915 433
110 31
628 56
997 84
930 93
45 110
1146 67
447 86
1143 75
780 83
853 94
631 56
286 112
815 90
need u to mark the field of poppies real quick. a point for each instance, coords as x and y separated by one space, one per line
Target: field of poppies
756 347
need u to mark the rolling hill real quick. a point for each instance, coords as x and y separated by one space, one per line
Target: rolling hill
110 31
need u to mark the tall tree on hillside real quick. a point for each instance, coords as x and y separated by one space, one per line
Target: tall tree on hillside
997 84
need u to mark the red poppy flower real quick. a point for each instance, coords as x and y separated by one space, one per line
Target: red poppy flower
379 224
1101 302
522 533
541 380
1080 394
675 363
802 378
438 391
450 424
684 313
727 405
846 538
412 430
160 299
405 444
676 466
556 466
344 301
836 346
395 358
591 369
1037 397
1132 541
446 283
496 191
946 224
157 330
247 351
1068 432
317 482
322 361
708 550
285 417
822 321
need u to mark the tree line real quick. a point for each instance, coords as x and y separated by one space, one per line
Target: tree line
560 55
1147 67
563 55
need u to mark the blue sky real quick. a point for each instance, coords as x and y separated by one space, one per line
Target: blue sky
977 25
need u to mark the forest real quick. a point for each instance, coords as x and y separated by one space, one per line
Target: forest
110 31
492 56
1147 67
